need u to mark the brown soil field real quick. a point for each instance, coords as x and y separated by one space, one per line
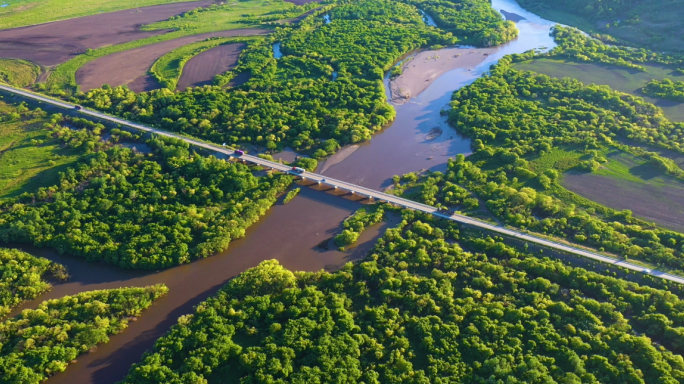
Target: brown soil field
54 43
131 67
201 69
660 201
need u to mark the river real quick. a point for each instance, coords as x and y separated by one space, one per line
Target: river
291 233
408 144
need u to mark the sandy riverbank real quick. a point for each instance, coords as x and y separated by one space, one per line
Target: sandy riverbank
421 69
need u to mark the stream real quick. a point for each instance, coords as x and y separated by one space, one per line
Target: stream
298 233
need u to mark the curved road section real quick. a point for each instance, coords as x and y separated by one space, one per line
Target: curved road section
355 189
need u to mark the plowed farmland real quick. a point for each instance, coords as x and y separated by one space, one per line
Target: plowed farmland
131 67
53 43
201 69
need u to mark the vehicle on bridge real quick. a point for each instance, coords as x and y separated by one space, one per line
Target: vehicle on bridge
239 152
298 170
78 107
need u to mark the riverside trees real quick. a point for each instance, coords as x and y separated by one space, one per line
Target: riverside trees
22 277
138 210
421 309
37 344
528 129
294 100
42 342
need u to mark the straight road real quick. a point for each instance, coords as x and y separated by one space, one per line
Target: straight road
356 189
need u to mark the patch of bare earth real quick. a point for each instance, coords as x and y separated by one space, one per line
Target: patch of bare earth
54 43
662 202
131 67
201 69
420 70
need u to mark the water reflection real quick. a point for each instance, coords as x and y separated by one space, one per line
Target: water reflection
427 18
276 51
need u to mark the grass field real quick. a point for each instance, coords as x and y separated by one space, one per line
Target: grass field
558 159
244 14
222 17
29 157
19 73
621 79
20 13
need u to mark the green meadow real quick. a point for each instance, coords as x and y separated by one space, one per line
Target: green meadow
30 157
19 73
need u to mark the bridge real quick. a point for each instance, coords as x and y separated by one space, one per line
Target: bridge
355 189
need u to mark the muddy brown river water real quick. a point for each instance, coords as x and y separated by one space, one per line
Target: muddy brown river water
291 233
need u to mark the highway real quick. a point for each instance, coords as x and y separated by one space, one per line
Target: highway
356 189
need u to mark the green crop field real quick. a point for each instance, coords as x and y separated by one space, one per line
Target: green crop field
619 78
19 73
20 13
30 157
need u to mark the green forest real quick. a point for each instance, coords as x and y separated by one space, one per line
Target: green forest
419 309
38 343
294 100
138 210
665 89
41 342
23 277
355 224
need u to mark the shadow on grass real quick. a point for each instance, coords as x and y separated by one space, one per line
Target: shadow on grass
645 171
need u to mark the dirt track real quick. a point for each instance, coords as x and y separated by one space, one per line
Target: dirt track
57 42
201 69
131 67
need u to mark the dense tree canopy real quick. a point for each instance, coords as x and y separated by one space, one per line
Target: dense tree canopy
42 342
355 224
473 21
420 309
140 210
594 9
22 277
665 89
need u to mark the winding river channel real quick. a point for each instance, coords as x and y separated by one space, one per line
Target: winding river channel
298 233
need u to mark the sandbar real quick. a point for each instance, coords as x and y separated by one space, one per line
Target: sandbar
421 69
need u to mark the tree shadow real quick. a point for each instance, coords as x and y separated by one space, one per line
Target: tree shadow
645 171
